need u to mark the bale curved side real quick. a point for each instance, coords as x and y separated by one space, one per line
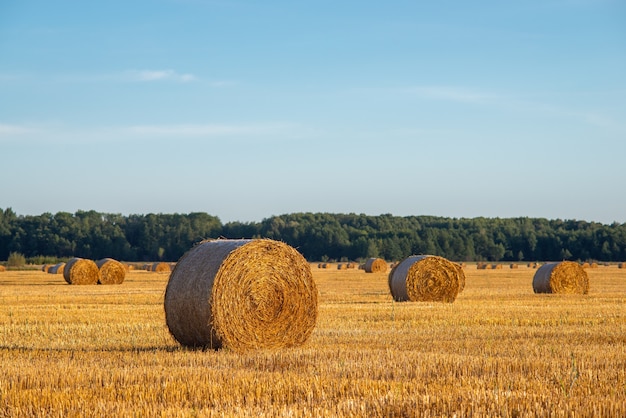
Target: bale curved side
375 265
111 271
241 294
81 271
422 278
561 277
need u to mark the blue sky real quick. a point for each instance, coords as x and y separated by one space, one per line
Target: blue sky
247 109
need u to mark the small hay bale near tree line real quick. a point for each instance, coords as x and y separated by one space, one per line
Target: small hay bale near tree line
241 294
2 268
561 277
81 271
160 267
111 271
375 265
58 268
426 278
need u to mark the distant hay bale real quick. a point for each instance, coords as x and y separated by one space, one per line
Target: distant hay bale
375 265
2 268
561 277
241 294
160 267
111 271
585 265
514 266
57 268
425 278
45 268
621 266
496 266
481 266
81 271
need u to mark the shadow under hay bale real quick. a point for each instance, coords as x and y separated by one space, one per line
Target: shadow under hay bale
241 294
111 271
561 277
375 265
425 278
81 271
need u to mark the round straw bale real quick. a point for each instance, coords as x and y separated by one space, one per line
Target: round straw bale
81 271
241 294
422 278
161 267
561 277
2 268
621 266
375 265
57 268
111 271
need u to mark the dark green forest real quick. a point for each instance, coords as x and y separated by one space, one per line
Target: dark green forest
318 236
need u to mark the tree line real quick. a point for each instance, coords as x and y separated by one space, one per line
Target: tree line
318 236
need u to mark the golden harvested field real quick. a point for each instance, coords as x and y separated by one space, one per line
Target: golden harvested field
498 350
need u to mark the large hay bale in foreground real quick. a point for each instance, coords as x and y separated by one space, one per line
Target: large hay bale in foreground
424 278
111 271
81 271
241 294
375 265
561 277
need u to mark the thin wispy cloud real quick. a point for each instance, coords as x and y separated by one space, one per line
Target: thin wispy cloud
8 130
160 75
270 131
452 94
206 130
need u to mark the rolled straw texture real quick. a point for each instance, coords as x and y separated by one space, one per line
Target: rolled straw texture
561 277
375 265
424 278
241 294
111 271
81 271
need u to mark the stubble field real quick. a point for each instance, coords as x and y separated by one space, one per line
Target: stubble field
498 350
